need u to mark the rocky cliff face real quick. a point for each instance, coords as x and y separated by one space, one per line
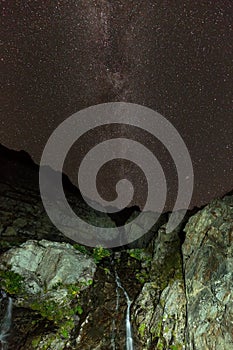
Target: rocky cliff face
67 296
208 273
187 304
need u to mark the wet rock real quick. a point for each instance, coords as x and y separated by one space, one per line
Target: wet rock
208 265
104 327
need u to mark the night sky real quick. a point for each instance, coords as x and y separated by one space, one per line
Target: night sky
58 57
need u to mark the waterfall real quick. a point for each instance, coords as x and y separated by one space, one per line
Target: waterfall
129 336
5 324
128 328
117 308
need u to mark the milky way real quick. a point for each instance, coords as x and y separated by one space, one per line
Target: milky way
61 56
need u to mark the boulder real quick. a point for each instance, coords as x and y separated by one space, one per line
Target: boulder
44 264
47 278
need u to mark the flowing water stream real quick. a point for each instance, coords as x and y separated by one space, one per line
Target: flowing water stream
5 323
128 327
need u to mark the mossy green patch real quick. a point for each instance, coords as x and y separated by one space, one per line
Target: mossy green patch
142 276
11 282
135 253
140 254
61 313
100 253
176 347
82 249
142 329
35 342
169 270
57 311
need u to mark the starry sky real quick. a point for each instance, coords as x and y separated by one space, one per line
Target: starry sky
58 57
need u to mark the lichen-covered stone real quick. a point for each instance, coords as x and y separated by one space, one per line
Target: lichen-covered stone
53 274
208 266
172 307
159 310
49 342
44 264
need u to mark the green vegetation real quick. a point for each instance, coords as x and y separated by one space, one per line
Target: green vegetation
36 342
143 276
64 332
46 344
142 329
157 330
73 290
56 312
60 312
176 347
100 253
145 259
171 269
82 249
107 271
11 282
50 310
140 255
136 253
